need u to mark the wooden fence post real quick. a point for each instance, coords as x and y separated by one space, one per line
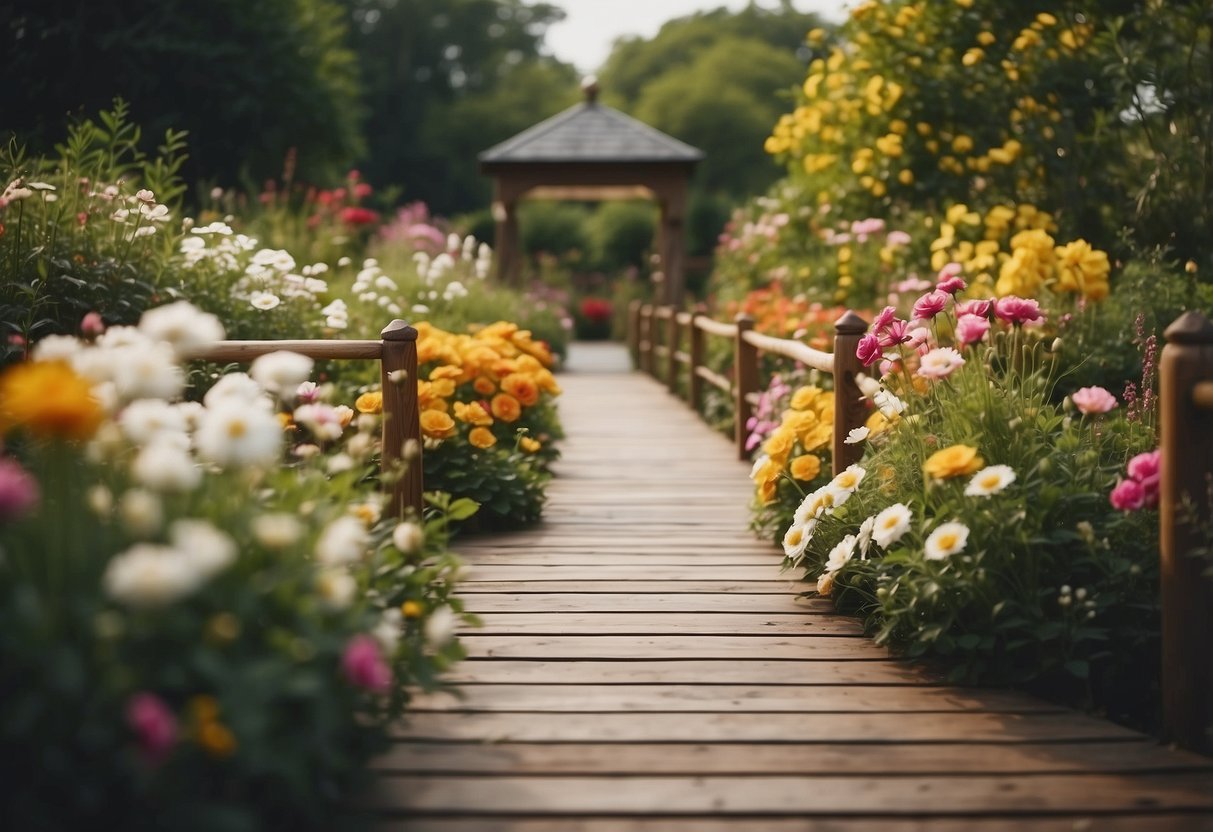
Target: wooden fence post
634 331
673 336
849 411
1186 429
646 338
694 382
745 382
401 419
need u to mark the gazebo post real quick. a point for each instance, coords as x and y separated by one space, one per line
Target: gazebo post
505 215
672 245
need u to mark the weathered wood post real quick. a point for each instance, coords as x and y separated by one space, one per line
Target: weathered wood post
745 382
848 400
401 419
634 331
694 382
1186 429
673 336
646 338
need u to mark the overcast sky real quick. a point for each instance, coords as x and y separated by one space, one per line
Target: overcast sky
584 38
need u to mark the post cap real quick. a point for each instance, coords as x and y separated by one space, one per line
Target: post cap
1190 328
850 324
398 330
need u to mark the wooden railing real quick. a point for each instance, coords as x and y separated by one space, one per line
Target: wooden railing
396 352
1186 435
656 334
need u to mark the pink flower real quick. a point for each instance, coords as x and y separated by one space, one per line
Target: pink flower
1128 495
898 332
868 350
1017 311
981 308
950 285
897 238
1090 400
971 328
886 317
92 325
364 666
919 336
1146 470
939 363
950 270
887 367
930 305
153 723
18 491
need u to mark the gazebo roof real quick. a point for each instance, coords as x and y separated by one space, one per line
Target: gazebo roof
590 132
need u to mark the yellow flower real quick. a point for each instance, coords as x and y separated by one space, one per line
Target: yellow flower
529 445
779 445
412 609
803 398
953 461
369 402
817 436
446 371
48 399
216 740
806 467
473 414
482 438
505 407
1082 269
436 424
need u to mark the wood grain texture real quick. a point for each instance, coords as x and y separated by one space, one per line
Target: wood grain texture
644 665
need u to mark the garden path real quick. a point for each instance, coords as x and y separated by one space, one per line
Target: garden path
644 665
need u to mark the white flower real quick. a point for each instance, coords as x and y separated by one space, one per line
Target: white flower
990 480
385 282
387 631
147 372
264 300
440 627
343 541
815 504
208 550
888 404
281 372
100 500
796 539
947 539
182 325
865 535
155 213
845 484
762 460
340 463
166 466
145 196
939 363
141 512
148 420
148 575
277 531
336 588
891 524
320 419
57 348
237 389
825 584
856 435
840 554
408 537
234 434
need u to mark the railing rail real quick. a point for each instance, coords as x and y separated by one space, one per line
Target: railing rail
651 342
396 352
1186 438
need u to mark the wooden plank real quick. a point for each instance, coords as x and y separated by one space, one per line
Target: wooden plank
671 574
619 557
758 727
782 588
658 624
745 759
689 672
646 796
643 648
732 602
728 699
1184 822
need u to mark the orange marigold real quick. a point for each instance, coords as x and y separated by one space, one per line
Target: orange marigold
437 425
49 400
506 408
370 402
482 438
521 387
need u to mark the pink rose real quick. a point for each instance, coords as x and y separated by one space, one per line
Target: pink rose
981 308
1017 311
1146 469
898 332
364 666
92 325
930 304
886 317
971 328
1090 400
153 723
1128 495
18 491
868 350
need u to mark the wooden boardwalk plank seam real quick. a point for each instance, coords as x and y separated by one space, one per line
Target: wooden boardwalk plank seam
644 665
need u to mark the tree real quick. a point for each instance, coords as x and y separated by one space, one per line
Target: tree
248 81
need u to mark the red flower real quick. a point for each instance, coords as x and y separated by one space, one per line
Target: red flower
353 215
596 310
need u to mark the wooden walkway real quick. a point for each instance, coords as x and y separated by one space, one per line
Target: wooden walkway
644 665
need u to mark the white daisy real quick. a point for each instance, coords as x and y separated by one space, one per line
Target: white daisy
166 466
856 435
796 539
865 535
149 575
946 540
277 531
234 434
264 301
208 550
281 372
845 484
182 325
840 554
342 541
238 389
891 524
990 480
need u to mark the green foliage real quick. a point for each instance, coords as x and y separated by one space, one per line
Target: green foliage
508 484
620 234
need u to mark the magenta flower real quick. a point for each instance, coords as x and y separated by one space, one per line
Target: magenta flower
1017 311
886 317
364 666
868 350
897 332
153 723
1146 469
92 325
18 491
1128 495
981 308
950 285
971 328
930 304
1090 400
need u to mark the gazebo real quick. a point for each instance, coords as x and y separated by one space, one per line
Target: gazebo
593 152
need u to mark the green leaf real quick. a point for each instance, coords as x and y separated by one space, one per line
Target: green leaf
463 508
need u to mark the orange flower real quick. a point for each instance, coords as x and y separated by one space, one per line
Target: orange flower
216 740
473 414
953 461
370 402
445 371
529 445
484 386
443 387
806 467
522 388
506 408
482 438
437 425
412 609
48 399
